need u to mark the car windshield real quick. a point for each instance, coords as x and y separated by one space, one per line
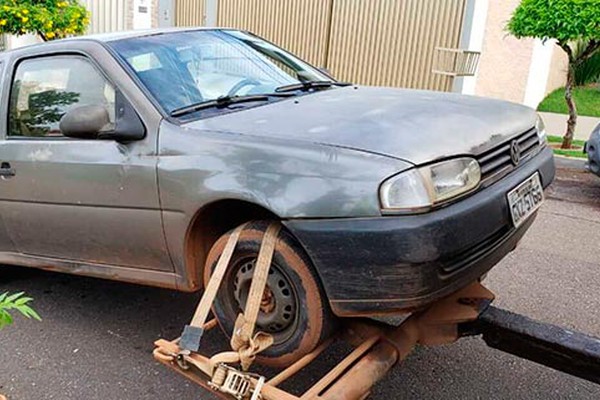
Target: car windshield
183 69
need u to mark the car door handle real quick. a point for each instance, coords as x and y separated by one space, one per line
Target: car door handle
6 171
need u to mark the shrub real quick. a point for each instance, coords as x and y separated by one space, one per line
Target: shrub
49 19
15 302
588 71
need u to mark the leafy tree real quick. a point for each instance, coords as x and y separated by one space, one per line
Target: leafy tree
49 19
15 302
574 24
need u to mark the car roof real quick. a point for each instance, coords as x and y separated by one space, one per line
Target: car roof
114 36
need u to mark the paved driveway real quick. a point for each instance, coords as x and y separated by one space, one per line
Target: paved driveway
96 337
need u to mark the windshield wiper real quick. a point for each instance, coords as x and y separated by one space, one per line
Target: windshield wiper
225 101
310 85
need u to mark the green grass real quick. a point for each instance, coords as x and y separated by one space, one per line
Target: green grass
587 99
570 153
559 139
577 153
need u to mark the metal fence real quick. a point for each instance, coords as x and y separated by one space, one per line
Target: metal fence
373 42
392 42
107 15
189 12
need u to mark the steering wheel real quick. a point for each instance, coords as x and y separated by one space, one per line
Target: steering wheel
242 84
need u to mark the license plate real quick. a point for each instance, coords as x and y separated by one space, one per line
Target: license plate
525 199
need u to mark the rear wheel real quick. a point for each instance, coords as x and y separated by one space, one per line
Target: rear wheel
293 309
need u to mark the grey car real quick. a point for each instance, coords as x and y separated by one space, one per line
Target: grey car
132 156
592 148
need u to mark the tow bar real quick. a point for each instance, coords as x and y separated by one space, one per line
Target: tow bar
378 348
555 347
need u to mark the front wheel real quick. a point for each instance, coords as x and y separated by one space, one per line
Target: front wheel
294 309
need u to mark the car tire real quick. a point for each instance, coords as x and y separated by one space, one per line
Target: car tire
294 309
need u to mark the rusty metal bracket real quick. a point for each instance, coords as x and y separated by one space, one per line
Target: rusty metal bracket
550 345
377 349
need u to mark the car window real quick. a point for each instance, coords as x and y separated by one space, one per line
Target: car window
184 68
44 89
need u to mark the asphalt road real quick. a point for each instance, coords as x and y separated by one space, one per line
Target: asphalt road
96 338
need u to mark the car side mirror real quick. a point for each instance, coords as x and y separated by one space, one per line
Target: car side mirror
128 126
85 122
93 122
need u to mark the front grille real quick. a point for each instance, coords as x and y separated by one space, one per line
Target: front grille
497 162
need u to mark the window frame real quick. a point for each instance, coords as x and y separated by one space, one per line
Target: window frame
13 74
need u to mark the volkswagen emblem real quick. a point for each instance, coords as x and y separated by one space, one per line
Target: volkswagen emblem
515 153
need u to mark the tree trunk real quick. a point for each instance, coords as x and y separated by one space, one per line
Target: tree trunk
572 122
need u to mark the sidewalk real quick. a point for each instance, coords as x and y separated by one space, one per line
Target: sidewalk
556 124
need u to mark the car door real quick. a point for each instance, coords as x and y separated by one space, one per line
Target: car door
91 201
6 244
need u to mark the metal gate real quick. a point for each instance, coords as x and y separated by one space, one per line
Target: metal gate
373 42
107 15
392 42
189 12
300 26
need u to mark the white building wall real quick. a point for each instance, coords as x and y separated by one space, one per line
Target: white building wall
539 71
142 14
519 70
476 17
14 42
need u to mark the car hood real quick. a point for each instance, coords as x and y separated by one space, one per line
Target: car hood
411 125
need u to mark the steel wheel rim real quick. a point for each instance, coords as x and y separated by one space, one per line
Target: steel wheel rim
279 319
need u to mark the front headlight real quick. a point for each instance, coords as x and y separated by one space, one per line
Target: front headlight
540 128
419 189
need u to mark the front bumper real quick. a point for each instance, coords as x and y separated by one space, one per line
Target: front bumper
378 266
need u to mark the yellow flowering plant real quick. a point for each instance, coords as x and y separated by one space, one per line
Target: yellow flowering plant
50 19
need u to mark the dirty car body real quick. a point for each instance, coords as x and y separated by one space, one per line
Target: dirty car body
399 197
592 149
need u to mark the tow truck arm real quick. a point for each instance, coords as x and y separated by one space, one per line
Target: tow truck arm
550 345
